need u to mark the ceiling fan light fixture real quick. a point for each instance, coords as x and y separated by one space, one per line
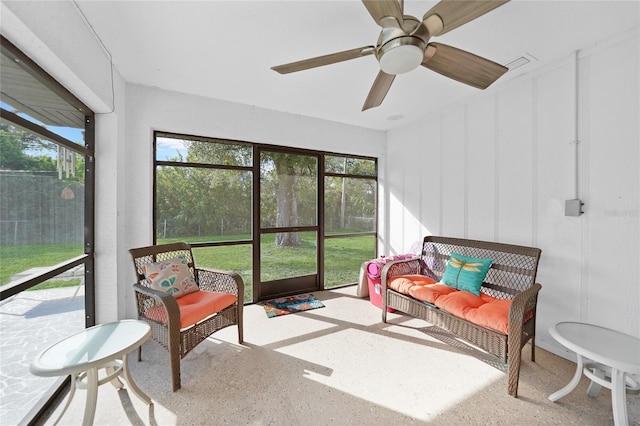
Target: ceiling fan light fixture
401 55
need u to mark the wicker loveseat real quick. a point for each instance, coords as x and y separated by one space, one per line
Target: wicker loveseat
509 285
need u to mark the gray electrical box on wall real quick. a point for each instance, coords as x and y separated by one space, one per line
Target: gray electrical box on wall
573 207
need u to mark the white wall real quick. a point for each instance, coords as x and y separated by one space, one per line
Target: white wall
499 167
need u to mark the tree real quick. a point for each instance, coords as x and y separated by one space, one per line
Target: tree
206 200
15 145
286 200
197 201
287 171
49 209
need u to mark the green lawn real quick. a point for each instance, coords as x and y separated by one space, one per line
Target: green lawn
343 257
57 284
16 259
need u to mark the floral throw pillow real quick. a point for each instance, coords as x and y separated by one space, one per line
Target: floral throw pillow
171 276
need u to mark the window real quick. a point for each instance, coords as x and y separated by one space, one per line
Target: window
350 199
258 210
46 227
203 195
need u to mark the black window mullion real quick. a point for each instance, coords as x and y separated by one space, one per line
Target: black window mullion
202 165
42 132
256 229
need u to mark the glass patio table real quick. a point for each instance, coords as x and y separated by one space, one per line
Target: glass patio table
607 357
83 354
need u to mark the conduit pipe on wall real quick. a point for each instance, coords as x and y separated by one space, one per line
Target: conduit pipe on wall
576 119
573 207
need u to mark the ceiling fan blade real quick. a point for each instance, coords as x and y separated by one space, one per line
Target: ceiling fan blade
462 66
324 60
454 13
379 90
381 8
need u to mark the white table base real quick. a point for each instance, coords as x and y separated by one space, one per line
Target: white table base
618 384
90 381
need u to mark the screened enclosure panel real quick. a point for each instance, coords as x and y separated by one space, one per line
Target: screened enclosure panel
42 204
349 165
350 205
288 190
279 262
343 258
198 204
203 151
238 258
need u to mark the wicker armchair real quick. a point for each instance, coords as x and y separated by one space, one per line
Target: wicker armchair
162 311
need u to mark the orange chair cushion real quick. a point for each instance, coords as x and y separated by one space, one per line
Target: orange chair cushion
194 307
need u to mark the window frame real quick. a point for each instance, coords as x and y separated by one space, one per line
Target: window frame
255 169
88 151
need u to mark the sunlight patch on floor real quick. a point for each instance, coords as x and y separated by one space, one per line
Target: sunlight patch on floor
431 380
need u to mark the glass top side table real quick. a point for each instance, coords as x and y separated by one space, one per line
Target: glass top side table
612 358
83 354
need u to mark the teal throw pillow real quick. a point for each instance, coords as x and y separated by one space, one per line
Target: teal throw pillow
466 273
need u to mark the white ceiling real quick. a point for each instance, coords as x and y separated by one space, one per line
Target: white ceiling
224 50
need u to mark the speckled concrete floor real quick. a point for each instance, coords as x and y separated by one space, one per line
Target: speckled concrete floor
341 365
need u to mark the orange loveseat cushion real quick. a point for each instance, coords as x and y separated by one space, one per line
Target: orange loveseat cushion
459 302
402 283
493 314
483 310
431 292
419 287
194 307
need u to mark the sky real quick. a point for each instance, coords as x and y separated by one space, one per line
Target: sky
170 148
71 133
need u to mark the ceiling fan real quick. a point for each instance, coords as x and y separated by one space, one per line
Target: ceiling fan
404 44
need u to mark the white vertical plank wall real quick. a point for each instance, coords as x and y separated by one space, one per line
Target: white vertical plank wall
500 165
481 179
514 163
611 136
452 144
